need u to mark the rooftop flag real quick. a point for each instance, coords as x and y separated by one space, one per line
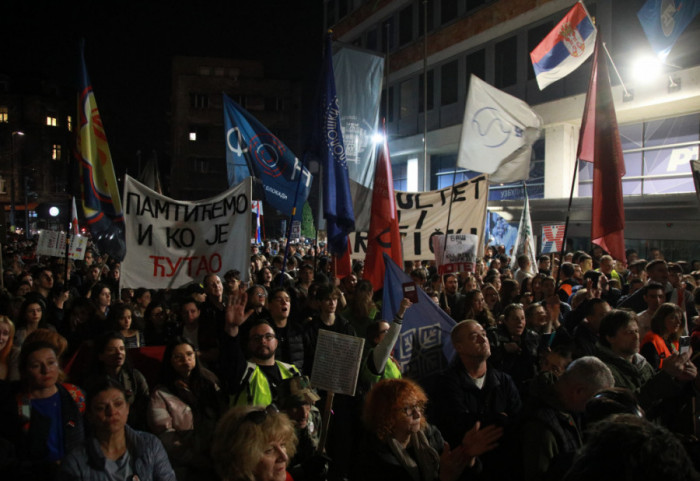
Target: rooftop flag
248 142
565 48
101 204
664 21
497 133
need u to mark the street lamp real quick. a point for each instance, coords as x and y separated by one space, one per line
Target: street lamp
12 185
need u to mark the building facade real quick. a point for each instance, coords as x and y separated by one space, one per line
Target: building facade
432 47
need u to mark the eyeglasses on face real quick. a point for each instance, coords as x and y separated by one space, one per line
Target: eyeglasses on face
267 337
409 410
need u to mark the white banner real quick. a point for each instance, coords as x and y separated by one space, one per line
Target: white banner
171 243
53 243
424 214
458 254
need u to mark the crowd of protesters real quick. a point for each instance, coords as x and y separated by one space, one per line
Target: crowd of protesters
212 380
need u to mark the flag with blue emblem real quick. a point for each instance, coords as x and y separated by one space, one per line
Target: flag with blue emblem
100 199
424 346
249 144
565 48
497 134
328 145
664 21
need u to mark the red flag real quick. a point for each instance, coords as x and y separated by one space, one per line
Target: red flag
74 218
599 142
342 266
384 223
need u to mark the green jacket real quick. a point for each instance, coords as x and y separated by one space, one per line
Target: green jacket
255 389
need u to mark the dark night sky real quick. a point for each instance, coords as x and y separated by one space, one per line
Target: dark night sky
129 46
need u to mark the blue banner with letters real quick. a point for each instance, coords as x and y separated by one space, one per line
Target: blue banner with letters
250 145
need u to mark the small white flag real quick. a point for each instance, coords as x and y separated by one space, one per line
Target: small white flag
497 134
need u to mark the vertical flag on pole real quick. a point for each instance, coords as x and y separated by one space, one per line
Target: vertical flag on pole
525 243
337 202
74 218
599 142
384 224
100 195
565 48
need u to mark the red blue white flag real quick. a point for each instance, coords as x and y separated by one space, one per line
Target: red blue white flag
565 48
552 238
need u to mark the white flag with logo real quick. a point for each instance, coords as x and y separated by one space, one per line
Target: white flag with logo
525 242
497 134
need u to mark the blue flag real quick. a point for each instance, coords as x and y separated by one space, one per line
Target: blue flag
98 183
329 146
664 21
250 145
424 346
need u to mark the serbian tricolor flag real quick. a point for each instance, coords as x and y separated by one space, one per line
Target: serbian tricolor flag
565 48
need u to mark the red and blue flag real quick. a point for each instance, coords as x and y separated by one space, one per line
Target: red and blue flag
565 48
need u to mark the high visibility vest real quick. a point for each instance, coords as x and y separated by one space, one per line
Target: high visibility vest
256 391
660 346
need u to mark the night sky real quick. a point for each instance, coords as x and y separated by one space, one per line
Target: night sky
129 46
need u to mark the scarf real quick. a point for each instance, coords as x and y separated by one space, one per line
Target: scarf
427 464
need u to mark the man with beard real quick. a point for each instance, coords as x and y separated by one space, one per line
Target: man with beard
262 374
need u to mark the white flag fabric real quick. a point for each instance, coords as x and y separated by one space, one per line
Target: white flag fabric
497 134
525 242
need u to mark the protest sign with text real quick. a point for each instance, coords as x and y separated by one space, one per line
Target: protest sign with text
171 243
53 243
423 215
458 254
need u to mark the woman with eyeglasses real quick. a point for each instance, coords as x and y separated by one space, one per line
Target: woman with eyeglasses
184 409
112 449
253 444
401 443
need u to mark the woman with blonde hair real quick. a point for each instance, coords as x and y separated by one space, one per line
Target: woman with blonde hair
403 445
252 443
9 353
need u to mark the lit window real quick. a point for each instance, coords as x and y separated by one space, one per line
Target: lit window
193 136
4 115
51 121
69 123
56 152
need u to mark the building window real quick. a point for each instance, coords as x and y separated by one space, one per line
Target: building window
388 27
408 105
448 11
204 70
406 25
56 152
431 84
199 101
476 64
4 115
449 92
506 62
69 123
400 175
193 136
51 120
429 6
201 166
657 157
371 41
255 103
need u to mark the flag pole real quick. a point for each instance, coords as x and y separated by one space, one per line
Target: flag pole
566 223
291 220
605 47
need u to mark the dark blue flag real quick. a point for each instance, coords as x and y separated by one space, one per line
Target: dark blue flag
250 144
337 202
664 21
98 183
424 346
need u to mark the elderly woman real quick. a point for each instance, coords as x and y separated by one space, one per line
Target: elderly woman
402 445
112 449
41 417
9 353
253 444
662 340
